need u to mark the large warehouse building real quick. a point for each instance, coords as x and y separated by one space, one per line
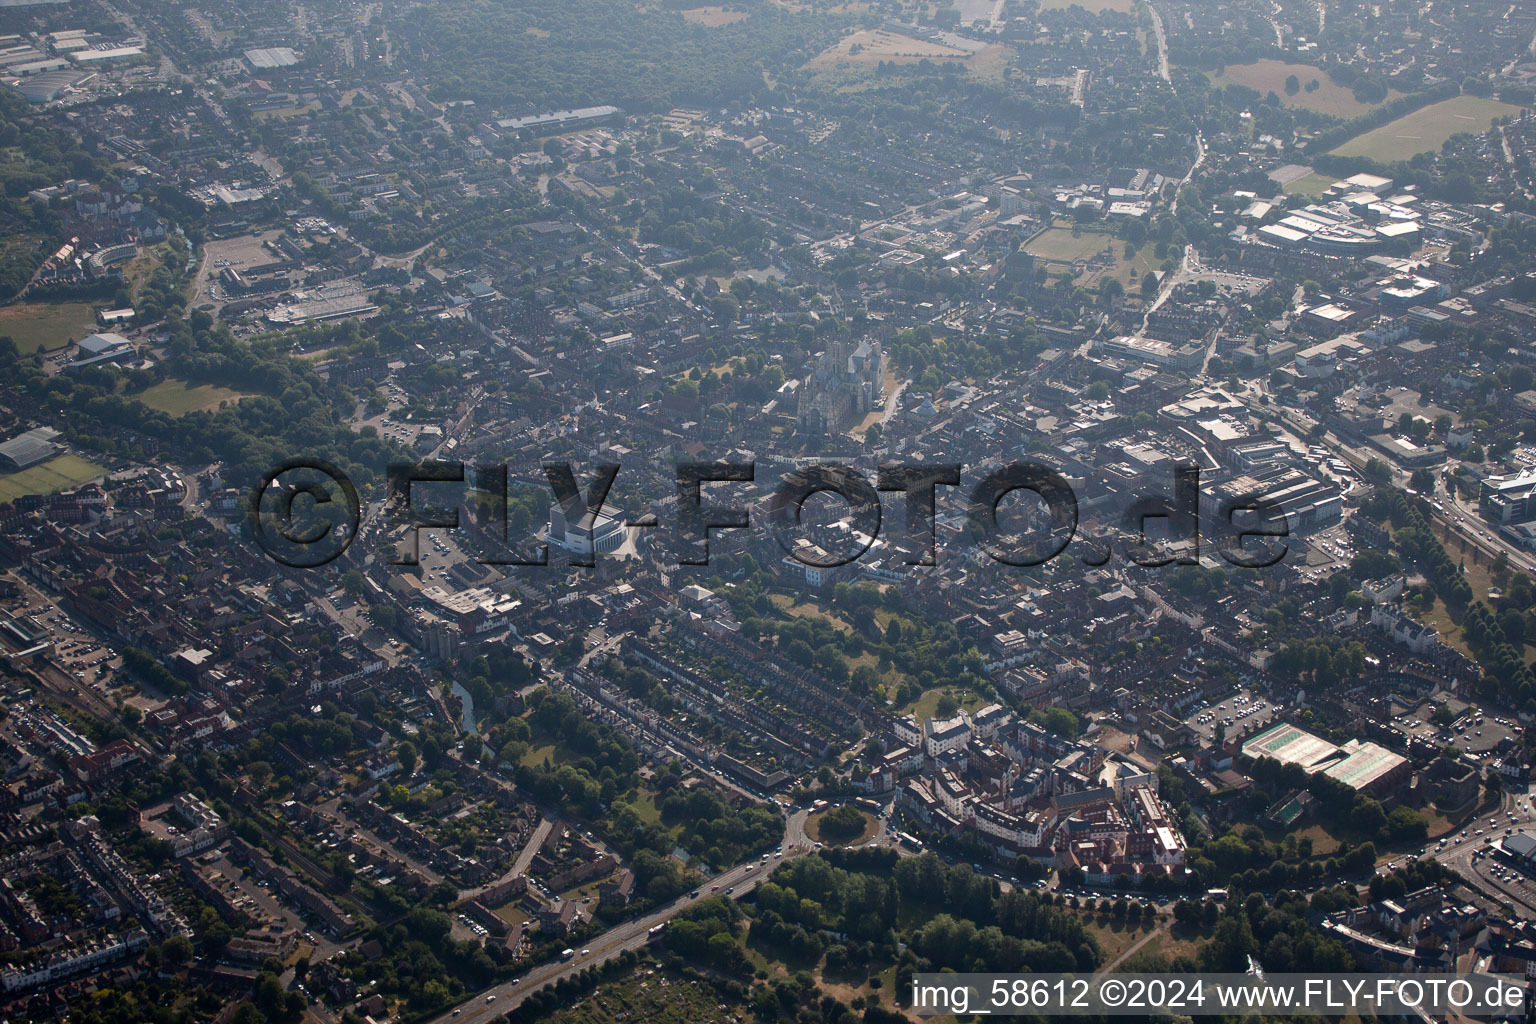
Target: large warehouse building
1358 764
29 449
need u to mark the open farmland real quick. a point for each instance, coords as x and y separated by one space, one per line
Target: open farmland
1268 76
1425 131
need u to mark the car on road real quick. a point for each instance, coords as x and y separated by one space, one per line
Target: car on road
491 998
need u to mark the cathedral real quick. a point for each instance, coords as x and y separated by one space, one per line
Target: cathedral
842 387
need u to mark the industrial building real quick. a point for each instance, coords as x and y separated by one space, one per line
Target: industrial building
29 449
1359 764
558 120
270 58
97 349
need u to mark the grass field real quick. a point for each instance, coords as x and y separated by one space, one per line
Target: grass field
55 475
714 16
1063 245
1128 272
283 113
1313 184
1424 131
536 756
871 46
1323 842
988 65
927 704
176 398
1091 6
644 805
813 829
45 326
1478 578
808 610
1179 940
1268 76
1114 937
511 913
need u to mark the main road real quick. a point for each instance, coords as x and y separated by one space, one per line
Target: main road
736 882
1468 852
1162 45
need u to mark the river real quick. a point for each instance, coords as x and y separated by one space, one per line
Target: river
469 707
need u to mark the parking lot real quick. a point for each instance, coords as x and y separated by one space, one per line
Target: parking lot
255 897
439 554
1473 730
1239 711
76 651
1327 552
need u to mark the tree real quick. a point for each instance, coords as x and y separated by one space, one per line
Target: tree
1292 85
725 308
408 756
1110 291
260 773
1057 720
176 951
842 823
1405 824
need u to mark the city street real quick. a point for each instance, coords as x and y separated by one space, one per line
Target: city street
1470 853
